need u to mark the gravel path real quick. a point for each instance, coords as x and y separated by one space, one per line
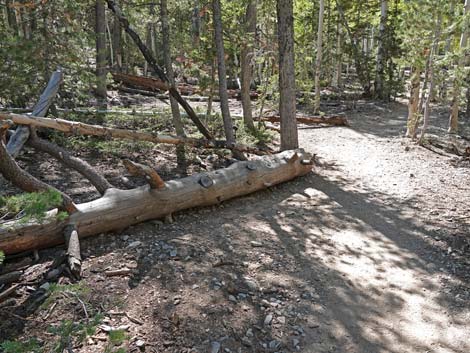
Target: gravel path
367 254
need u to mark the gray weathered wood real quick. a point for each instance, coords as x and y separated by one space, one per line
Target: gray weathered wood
21 135
118 209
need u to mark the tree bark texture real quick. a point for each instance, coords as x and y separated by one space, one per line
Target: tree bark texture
219 43
287 108
247 54
118 209
318 60
100 33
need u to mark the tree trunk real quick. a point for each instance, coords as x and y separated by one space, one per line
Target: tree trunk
158 70
196 24
413 114
100 32
454 114
117 47
118 209
287 109
247 53
339 57
11 17
380 90
321 13
219 43
427 108
443 86
175 110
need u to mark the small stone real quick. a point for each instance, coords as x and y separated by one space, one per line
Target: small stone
281 320
45 286
249 332
256 244
274 344
232 298
251 284
246 342
134 244
215 347
53 274
173 253
140 343
295 342
268 319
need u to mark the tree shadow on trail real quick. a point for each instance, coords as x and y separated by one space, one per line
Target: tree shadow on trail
338 269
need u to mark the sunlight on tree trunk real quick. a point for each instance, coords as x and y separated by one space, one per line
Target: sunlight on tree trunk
319 57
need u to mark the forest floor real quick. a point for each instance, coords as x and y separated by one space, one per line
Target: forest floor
368 253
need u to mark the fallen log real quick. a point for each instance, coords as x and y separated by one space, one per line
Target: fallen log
336 120
450 144
98 130
150 84
118 209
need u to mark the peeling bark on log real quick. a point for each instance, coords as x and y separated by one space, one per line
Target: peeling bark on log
313 120
158 70
98 130
21 135
74 259
118 209
152 177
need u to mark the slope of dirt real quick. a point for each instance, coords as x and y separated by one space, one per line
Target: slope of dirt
367 254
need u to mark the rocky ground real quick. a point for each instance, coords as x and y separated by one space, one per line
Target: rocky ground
369 253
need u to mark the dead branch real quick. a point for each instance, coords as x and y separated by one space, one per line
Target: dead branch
149 173
21 135
25 181
98 130
74 258
312 120
63 156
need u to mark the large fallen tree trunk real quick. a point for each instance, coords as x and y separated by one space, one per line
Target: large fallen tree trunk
98 130
118 209
336 120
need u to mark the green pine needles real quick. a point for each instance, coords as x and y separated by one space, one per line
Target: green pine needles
28 206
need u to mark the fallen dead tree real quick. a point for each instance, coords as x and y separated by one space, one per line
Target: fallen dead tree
74 127
336 120
450 144
118 209
151 84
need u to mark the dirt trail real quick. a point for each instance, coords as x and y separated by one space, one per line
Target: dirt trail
363 255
